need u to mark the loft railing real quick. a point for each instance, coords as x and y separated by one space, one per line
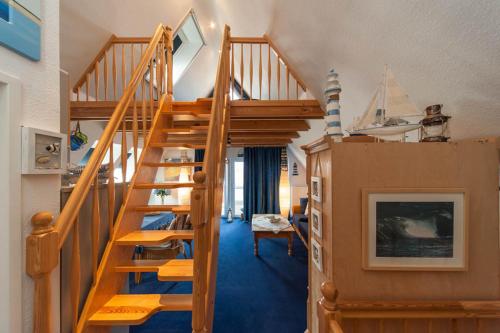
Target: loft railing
109 73
430 316
207 197
260 71
46 240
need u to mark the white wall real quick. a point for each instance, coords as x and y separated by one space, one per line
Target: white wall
39 108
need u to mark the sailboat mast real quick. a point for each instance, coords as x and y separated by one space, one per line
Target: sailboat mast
384 94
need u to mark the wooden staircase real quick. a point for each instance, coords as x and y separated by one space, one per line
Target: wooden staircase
156 120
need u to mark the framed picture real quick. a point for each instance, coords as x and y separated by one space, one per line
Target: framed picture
317 256
316 222
415 229
316 188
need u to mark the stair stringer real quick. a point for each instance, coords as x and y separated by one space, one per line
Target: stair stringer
109 282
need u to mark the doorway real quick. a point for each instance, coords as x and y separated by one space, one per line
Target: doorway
233 183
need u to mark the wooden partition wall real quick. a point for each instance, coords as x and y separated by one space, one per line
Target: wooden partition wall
358 300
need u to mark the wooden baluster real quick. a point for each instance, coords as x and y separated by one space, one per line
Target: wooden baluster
111 191
381 326
454 325
327 306
132 62
143 101
478 325
260 71
201 240
287 83
170 63
269 70
164 66
124 71
78 94
354 325
42 256
232 72
96 222
87 88
242 71
251 71
278 74
75 273
296 89
429 326
158 75
105 75
115 78
405 325
124 159
151 84
135 131
96 80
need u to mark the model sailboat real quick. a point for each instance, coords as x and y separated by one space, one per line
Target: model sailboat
387 111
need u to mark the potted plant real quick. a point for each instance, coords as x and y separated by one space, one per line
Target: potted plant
162 193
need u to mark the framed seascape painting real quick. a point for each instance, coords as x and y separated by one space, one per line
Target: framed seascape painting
415 229
316 222
316 188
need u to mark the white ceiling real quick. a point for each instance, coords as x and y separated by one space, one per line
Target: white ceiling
440 51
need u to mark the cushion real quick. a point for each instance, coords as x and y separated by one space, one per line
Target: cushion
303 205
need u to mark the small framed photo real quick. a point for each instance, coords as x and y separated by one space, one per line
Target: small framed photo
317 255
316 188
415 229
316 222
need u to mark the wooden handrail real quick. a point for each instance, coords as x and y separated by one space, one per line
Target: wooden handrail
213 168
331 311
46 240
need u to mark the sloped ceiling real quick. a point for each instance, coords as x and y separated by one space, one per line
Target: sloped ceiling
444 52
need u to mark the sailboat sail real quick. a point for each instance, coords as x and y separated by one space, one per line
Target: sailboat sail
368 118
397 102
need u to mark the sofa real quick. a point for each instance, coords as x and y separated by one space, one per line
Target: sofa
300 220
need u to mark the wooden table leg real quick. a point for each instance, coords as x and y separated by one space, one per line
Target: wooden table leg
255 244
290 244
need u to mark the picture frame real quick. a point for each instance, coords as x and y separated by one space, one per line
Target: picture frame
316 225
415 229
316 188
317 254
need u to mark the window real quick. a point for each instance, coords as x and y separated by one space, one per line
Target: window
4 11
233 186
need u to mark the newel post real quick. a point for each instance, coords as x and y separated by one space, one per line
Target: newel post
327 306
200 256
41 258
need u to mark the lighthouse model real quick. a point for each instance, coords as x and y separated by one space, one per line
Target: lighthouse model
332 95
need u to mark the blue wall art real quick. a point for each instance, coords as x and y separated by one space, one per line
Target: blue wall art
20 27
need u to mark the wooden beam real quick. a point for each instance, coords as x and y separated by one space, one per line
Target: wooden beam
279 109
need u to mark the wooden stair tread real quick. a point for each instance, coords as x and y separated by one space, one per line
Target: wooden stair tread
176 209
168 270
191 129
153 237
197 114
172 164
176 145
162 185
136 309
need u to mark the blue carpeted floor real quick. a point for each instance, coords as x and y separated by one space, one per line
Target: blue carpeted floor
254 294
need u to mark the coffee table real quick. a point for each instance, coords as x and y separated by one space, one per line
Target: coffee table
271 226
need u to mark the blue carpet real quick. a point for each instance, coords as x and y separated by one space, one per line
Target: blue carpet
254 294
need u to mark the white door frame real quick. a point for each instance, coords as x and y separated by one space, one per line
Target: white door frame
11 240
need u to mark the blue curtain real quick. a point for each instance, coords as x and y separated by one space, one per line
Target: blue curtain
199 155
261 181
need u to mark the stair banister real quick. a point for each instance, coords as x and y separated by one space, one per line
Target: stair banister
46 240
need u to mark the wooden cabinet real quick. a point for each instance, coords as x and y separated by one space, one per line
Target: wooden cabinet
349 167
